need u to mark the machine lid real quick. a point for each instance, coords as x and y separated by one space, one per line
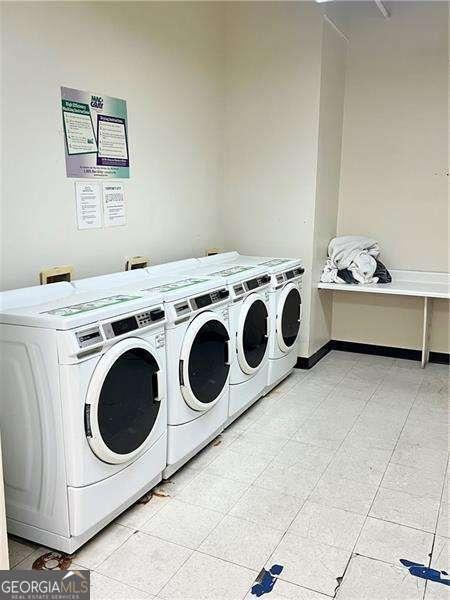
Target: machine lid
37 294
222 258
227 271
252 333
174 267
288 317
122 403
278 265
266 263
234 260
181 286
80 308
238 273
204 361
133 278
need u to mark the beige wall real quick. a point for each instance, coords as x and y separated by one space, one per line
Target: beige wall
334 51
234 118
394 183
273 69
166 60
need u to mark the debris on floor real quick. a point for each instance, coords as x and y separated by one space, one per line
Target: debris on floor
52 561
339 581
145 499
217 441
160 493
266 580
419 570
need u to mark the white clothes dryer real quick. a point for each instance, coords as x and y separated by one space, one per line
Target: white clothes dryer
83 411
285 308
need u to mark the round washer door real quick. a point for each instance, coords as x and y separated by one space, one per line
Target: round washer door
122 403
288 317
204 361
252 333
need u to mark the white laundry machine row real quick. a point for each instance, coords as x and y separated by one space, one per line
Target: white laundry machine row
198 350
248 286
285 307
83 408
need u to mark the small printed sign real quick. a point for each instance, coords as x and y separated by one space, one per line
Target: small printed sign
89 205
114 210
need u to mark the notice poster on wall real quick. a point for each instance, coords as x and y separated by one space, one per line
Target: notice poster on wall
96 135
89 207
114 213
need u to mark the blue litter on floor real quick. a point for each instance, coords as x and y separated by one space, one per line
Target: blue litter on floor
266 580
424 572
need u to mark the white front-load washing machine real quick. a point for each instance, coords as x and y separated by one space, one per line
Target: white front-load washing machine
198 350
198 363
286 313
83 409
285 308
248 286
249 324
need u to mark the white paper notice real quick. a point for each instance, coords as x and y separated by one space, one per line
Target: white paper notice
89 205
114 204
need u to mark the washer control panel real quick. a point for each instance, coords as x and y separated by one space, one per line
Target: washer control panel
210 298
89 337
257 282
150 316
138 321
280 278
182 308
293 273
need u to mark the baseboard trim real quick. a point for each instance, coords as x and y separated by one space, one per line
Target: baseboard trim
390 351
307 363
441 358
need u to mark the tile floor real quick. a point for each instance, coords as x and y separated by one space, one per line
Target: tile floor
336 475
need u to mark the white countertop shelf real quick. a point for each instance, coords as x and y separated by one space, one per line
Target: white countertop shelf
404 283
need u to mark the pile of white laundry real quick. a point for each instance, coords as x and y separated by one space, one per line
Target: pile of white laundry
351 253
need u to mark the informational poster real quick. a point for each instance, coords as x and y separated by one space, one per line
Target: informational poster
96 135
114 210
89 205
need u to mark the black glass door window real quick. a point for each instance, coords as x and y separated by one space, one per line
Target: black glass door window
127 409
208 361
254 335
290 319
